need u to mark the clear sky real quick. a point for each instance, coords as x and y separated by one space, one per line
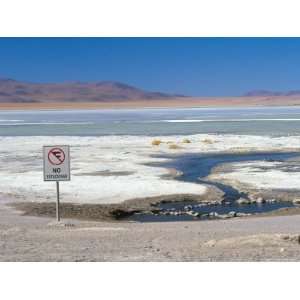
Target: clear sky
191 66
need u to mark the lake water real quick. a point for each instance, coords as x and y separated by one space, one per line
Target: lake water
196 167
274 121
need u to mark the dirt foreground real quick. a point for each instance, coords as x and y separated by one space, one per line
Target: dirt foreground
28 238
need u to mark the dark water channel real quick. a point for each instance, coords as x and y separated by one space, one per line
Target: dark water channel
195 168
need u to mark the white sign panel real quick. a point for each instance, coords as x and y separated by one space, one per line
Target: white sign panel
56 163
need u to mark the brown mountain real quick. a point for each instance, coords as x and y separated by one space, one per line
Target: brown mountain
102 91
258 93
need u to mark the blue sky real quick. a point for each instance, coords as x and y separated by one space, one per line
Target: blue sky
192 66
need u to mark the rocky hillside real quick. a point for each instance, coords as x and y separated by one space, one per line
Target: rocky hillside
102 91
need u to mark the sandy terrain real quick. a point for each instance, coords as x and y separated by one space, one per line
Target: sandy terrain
24 238
170 103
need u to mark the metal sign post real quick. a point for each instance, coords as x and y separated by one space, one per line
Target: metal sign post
57 202
57 168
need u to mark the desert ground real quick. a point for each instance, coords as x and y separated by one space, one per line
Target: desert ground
185 102
27 238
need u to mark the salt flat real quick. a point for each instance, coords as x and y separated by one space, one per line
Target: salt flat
124 158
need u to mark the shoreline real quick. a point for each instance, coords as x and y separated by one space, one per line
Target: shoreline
124 210
120 213
109 212
186 102
236 239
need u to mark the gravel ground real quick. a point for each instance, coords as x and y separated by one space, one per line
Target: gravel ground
27 238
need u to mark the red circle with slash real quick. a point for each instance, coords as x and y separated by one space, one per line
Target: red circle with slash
56 156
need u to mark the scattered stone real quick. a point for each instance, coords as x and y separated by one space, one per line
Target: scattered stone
213 214
260 200
196 214
155 212
205 215
240 214
188 207
225 216
252 197
232 214
285 237
210 243
243 201
193 213
60 224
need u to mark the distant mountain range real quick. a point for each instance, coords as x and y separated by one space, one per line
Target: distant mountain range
13 91
102 91
258 93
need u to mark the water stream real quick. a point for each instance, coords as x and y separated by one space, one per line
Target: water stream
195 168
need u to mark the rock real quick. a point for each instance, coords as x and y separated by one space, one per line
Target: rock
225 216
296 201
188 207
155 212
252 197
210 243
243 201
285 237
196 214
260 200
213 214
231 214
60 224
240 214
193 213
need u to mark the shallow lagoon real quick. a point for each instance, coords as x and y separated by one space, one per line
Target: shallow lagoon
195 168
275 121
